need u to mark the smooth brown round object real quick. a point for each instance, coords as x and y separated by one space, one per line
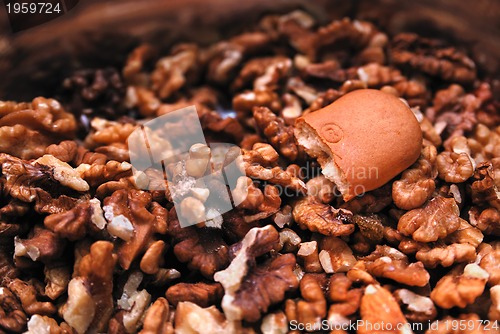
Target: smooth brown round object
362 140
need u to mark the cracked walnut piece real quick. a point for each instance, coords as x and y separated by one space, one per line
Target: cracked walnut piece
133 217
455 167
92 290
335 255
346 299
489 259
192 319
30 297
202 248
85 217
416 308
249 288
460 289
277 133
12 316
435 220
132 303
318 217
390 263
156 319
417 183
39 324
264 155
432 57
202 294
26 129
311 309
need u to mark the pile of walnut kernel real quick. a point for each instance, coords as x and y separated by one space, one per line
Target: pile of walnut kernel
84 250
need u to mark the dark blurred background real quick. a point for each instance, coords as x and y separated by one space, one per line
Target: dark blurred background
101 33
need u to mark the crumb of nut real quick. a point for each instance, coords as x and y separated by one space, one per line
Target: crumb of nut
283 217
132 303
57 278
22 250
274 323
377 306
39 324
289 240
192 319
80 307
119 226
308 253
335 255
416 308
